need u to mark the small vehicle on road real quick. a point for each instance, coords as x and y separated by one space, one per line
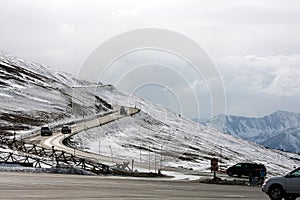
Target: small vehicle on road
287 187
46 131
245 169
66 130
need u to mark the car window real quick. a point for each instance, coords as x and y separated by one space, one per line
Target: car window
238 165
295 173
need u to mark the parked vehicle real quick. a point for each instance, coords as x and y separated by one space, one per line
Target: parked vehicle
246 169
46 131
66 129
287 187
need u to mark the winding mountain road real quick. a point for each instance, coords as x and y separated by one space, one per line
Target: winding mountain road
57 137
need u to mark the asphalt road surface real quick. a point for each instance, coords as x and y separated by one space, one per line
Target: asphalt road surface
57 138
58 186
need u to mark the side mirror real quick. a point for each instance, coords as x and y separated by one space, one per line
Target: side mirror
288 175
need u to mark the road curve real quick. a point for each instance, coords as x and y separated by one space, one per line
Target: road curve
57 138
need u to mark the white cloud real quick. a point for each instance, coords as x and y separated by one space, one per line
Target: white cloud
259 85
274 75
125 13
67 29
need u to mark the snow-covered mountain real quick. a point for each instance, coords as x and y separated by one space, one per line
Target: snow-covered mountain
279 130
32 95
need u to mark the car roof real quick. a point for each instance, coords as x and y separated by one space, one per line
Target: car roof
244 163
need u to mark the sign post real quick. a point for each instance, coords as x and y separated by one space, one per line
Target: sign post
214 166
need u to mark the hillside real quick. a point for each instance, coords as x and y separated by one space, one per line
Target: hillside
33 95
178 141
279 130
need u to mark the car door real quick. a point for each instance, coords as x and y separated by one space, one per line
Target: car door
293 182
236 169
245 169
241 169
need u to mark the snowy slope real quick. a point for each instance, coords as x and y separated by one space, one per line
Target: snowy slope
279 130
175 140
32 95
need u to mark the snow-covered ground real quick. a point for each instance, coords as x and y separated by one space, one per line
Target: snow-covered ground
33 95
173 140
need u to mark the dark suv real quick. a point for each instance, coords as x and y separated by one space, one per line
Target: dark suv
66 129
245 169
46 131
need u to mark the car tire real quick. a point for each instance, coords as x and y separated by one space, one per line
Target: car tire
290 197
276 193
230 173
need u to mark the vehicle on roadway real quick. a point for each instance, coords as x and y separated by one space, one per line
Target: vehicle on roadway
287 187
245 169
66 129
46 131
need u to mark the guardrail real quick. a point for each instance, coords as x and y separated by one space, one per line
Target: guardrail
50 157
35 156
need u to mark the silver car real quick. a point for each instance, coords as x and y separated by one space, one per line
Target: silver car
287 187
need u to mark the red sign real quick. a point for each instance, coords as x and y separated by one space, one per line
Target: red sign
214 164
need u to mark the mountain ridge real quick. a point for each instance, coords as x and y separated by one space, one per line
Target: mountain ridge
278 130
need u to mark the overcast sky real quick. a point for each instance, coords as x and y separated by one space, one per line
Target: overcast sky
254 44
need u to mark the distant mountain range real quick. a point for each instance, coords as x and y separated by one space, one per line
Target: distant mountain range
279 130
